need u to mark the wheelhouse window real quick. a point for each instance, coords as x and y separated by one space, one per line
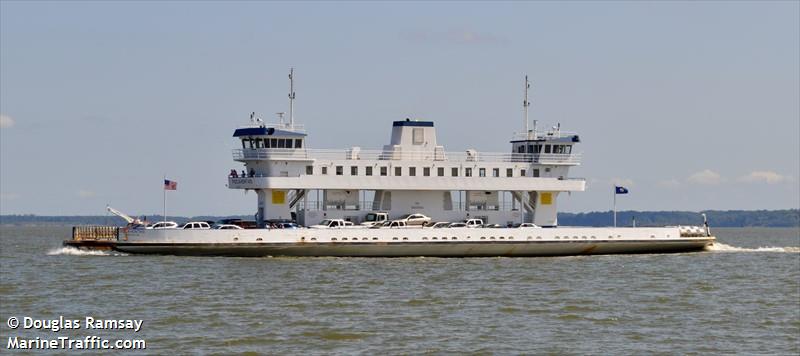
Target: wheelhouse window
495 172
398 171
530 148
440 171
412 171
309 170
546 148
536 172
521 149
482 172
281 143
273 142
384 171
258 143
454 171
298 143
339 170
509 172
568 149
368 171
521 172
467 172
353 170
324 170
426 171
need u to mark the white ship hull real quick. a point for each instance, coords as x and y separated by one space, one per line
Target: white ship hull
453 242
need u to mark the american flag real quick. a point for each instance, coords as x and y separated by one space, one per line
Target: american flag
170 184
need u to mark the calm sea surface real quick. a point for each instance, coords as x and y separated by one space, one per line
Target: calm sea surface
744 297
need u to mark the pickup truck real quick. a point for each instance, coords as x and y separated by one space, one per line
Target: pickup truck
473 222
373 219
331 224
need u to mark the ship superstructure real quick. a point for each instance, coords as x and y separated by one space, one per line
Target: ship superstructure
413 173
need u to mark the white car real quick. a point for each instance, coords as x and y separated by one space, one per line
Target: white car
415 219
440 225
527 225
227 227
163 225
196 225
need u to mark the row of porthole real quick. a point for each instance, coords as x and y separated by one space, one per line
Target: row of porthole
578 238
455 238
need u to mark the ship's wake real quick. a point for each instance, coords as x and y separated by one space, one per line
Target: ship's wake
720 247
72 251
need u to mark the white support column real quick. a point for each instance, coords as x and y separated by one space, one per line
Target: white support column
261 210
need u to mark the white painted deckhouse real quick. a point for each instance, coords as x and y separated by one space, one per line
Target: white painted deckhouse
411 174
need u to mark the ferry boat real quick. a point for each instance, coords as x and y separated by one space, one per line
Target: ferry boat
508 201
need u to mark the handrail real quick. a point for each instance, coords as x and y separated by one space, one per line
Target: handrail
95 233
381 155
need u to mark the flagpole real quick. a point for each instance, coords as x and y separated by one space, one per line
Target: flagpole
615 206
165 199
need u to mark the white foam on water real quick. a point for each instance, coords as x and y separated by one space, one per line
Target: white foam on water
72 251
720 247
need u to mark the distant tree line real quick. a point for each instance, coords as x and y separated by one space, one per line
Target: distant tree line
716 218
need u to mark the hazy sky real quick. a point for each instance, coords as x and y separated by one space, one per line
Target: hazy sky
691 105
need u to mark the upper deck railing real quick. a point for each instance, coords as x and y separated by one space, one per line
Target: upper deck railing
380 155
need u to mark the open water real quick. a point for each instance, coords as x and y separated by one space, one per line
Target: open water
742 297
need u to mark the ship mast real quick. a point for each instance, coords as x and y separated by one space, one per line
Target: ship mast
525 105
291 98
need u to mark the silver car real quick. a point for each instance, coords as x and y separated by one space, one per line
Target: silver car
415 219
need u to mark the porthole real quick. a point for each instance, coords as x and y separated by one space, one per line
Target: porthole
344 239
313 239
235 239
491 238
433 238
511 237
374 239
483 237
557 237
530 237
333 239
424 238
455 238
259 239
583 237
405 238
502 238
394 238
538 237
365 239
652 236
